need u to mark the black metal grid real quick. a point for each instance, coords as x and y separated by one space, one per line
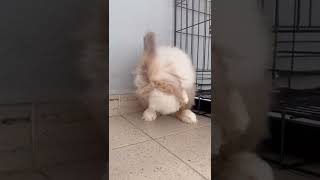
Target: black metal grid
292 43
296 45
192 21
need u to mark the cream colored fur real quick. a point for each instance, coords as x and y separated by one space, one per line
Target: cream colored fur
240 75
165 82
242 86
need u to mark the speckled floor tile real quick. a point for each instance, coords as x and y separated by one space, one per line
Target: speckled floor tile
164 125
16 158
114 106
23 176
148 161
129 104
91 170
122 133
193 147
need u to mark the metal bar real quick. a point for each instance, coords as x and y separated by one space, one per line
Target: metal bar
203 84
194 34
298 14
302 41
207 78
295 21
193 10
187 22
310 13
180 27
302 26
200 71
300 56
192 6
197 83
292 73
282 140
180 2
198 40
299 31
275 39
194 24
209 60
175 25
299 52
204 39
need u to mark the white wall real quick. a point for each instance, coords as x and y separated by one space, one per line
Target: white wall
128 21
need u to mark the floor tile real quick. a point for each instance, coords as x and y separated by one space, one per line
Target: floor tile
128 105
48 156
10 139
164 125
23 176
93 170
17 158
128 97
114 107
148 161
114 97
193 147
122 133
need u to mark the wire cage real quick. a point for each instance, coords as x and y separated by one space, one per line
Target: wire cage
295 73
296 48
192 33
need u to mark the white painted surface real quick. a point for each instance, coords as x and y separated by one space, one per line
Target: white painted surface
128 22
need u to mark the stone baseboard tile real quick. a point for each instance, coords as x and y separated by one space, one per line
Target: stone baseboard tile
123 104
114 105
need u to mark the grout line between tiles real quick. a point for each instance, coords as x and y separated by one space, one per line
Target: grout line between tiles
130 144
24 171
170 133
182 131
156 138
153 139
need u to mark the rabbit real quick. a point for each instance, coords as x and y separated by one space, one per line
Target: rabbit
165 81
241 54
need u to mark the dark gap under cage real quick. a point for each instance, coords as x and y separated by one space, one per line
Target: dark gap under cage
192 34
295 110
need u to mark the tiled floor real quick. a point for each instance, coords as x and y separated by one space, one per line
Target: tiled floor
89 170
66 144
163 149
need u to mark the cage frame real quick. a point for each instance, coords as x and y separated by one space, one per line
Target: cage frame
186 9
290 102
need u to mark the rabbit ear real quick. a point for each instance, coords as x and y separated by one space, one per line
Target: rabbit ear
149 43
